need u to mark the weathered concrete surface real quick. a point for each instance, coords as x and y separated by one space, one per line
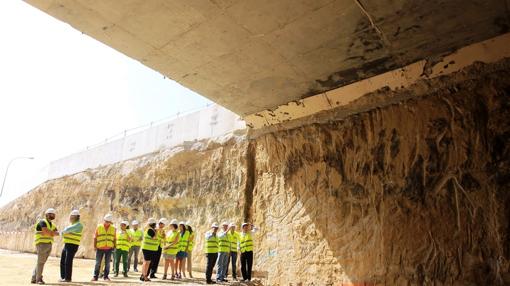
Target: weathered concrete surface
489 51
412 193
254 55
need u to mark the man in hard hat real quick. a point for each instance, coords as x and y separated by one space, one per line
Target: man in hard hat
160 232
223 253
72 237
122 249
233 238
136 242
211 252
246 247
45 230
104 243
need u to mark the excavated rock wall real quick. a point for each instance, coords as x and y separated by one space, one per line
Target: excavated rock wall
201 183
416 193
413 193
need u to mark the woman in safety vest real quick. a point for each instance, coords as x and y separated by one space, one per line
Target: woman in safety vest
150 246
191 240
171 248
183 248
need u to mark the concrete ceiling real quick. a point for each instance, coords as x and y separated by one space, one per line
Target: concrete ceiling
251 55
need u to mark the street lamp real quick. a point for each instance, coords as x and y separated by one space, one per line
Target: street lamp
7 170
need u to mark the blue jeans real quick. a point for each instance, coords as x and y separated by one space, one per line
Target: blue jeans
107 254
222 265
233 258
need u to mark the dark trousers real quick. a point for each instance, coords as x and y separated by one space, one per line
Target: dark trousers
211 261
66 261
107 255
246 263
155 262
233 259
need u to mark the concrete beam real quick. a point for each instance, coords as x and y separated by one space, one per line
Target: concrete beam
488 51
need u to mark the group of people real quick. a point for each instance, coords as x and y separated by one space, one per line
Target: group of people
223 246
173 240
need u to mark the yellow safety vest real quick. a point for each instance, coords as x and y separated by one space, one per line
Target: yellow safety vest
246 242
122 240
191 239
211 244
161 237
183 241
234 239
173 249
150 243
39 238
224 243
73 237
105 238
137 237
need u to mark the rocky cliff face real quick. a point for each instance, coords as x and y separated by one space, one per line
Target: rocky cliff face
414 193
201 182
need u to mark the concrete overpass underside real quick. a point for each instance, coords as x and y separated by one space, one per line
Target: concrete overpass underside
250 56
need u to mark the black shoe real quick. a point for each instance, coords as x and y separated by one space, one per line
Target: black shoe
125 274
153 276
210 282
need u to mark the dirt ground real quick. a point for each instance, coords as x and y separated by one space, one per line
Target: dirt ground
19 267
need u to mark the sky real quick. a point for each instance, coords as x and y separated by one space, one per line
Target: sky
61 91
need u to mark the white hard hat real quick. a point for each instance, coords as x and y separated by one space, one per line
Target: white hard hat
188 223
244 223
182 222
225 223
75 212
214 225
50 211
124 222
135 222
151 220
163 220
231 224
174 221
108 218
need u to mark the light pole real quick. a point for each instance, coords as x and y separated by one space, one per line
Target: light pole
7 170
